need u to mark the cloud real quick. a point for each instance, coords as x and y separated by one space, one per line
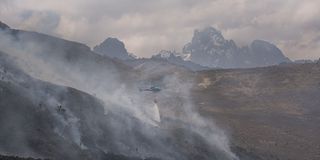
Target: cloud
147 26
41 21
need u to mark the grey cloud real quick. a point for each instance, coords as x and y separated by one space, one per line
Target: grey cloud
147 26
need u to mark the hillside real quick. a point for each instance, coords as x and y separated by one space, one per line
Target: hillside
59 100
271 111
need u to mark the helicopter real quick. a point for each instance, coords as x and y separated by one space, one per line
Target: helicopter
153 89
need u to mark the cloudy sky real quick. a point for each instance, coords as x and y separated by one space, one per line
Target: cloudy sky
147 26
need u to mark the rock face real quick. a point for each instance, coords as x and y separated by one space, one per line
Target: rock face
209 48
113 48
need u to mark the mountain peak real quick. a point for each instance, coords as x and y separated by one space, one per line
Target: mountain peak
208 35
114 48
3 25
209 48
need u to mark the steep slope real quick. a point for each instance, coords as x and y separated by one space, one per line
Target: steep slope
209 48
63 62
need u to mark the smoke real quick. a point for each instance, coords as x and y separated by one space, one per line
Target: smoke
140 124
207 129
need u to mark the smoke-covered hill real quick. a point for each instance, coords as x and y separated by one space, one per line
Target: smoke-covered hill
43 120
59 100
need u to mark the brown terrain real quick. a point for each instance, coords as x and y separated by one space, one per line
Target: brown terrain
273 112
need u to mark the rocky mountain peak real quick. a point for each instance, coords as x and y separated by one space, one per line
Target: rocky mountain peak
208 36
114 48
4 26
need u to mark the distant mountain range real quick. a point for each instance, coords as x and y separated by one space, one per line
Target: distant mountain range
207 49
114 48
